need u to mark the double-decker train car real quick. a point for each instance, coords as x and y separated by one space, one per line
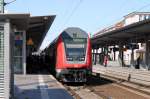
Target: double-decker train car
70 55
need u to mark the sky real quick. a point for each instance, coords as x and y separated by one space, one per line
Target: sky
89 15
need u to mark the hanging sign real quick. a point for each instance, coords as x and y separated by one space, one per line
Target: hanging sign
30 41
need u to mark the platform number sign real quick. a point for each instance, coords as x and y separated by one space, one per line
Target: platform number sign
1 6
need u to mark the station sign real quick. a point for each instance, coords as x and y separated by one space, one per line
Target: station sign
30 42
18 38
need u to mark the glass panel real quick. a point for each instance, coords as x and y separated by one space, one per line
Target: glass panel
18 48
18 64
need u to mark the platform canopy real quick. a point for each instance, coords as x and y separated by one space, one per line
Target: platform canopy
19 21
38 28
133 33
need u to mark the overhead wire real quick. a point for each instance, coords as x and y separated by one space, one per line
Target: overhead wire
72 12
70 15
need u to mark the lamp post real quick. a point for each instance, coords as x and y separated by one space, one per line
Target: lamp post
2 4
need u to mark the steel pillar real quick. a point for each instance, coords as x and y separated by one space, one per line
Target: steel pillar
147 54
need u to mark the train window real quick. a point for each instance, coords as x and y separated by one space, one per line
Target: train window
75 45
75 49
75 52
75 40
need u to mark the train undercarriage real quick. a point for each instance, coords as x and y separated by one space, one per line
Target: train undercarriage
73 75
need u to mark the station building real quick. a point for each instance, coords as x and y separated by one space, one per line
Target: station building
130 55
20 35
127 20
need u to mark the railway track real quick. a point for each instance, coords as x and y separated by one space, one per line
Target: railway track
102 88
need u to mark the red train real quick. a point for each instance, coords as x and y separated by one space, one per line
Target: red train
70 55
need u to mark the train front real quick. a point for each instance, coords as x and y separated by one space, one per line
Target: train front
76 57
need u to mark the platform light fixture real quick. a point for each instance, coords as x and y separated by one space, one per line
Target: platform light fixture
45 18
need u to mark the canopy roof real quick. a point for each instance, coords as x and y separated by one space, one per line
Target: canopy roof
133 33
36 27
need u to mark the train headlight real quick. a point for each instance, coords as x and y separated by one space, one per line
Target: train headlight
58 70
82 59
69 59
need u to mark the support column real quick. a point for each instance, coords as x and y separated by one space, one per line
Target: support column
121 54
106 50
93 56
132 57
97 60
24 53
7 74
105 55
122 58
102 56
114 50
147 54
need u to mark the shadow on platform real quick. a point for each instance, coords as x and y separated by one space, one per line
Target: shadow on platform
36 93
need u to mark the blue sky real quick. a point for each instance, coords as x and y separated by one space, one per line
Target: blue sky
89 15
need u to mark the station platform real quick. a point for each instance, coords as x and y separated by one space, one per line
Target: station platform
39 87
139 76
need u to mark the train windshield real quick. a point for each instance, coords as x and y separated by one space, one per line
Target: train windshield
75 49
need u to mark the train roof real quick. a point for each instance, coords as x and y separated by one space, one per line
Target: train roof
74 32
70 32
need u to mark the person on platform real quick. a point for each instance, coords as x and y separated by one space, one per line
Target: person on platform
105 60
